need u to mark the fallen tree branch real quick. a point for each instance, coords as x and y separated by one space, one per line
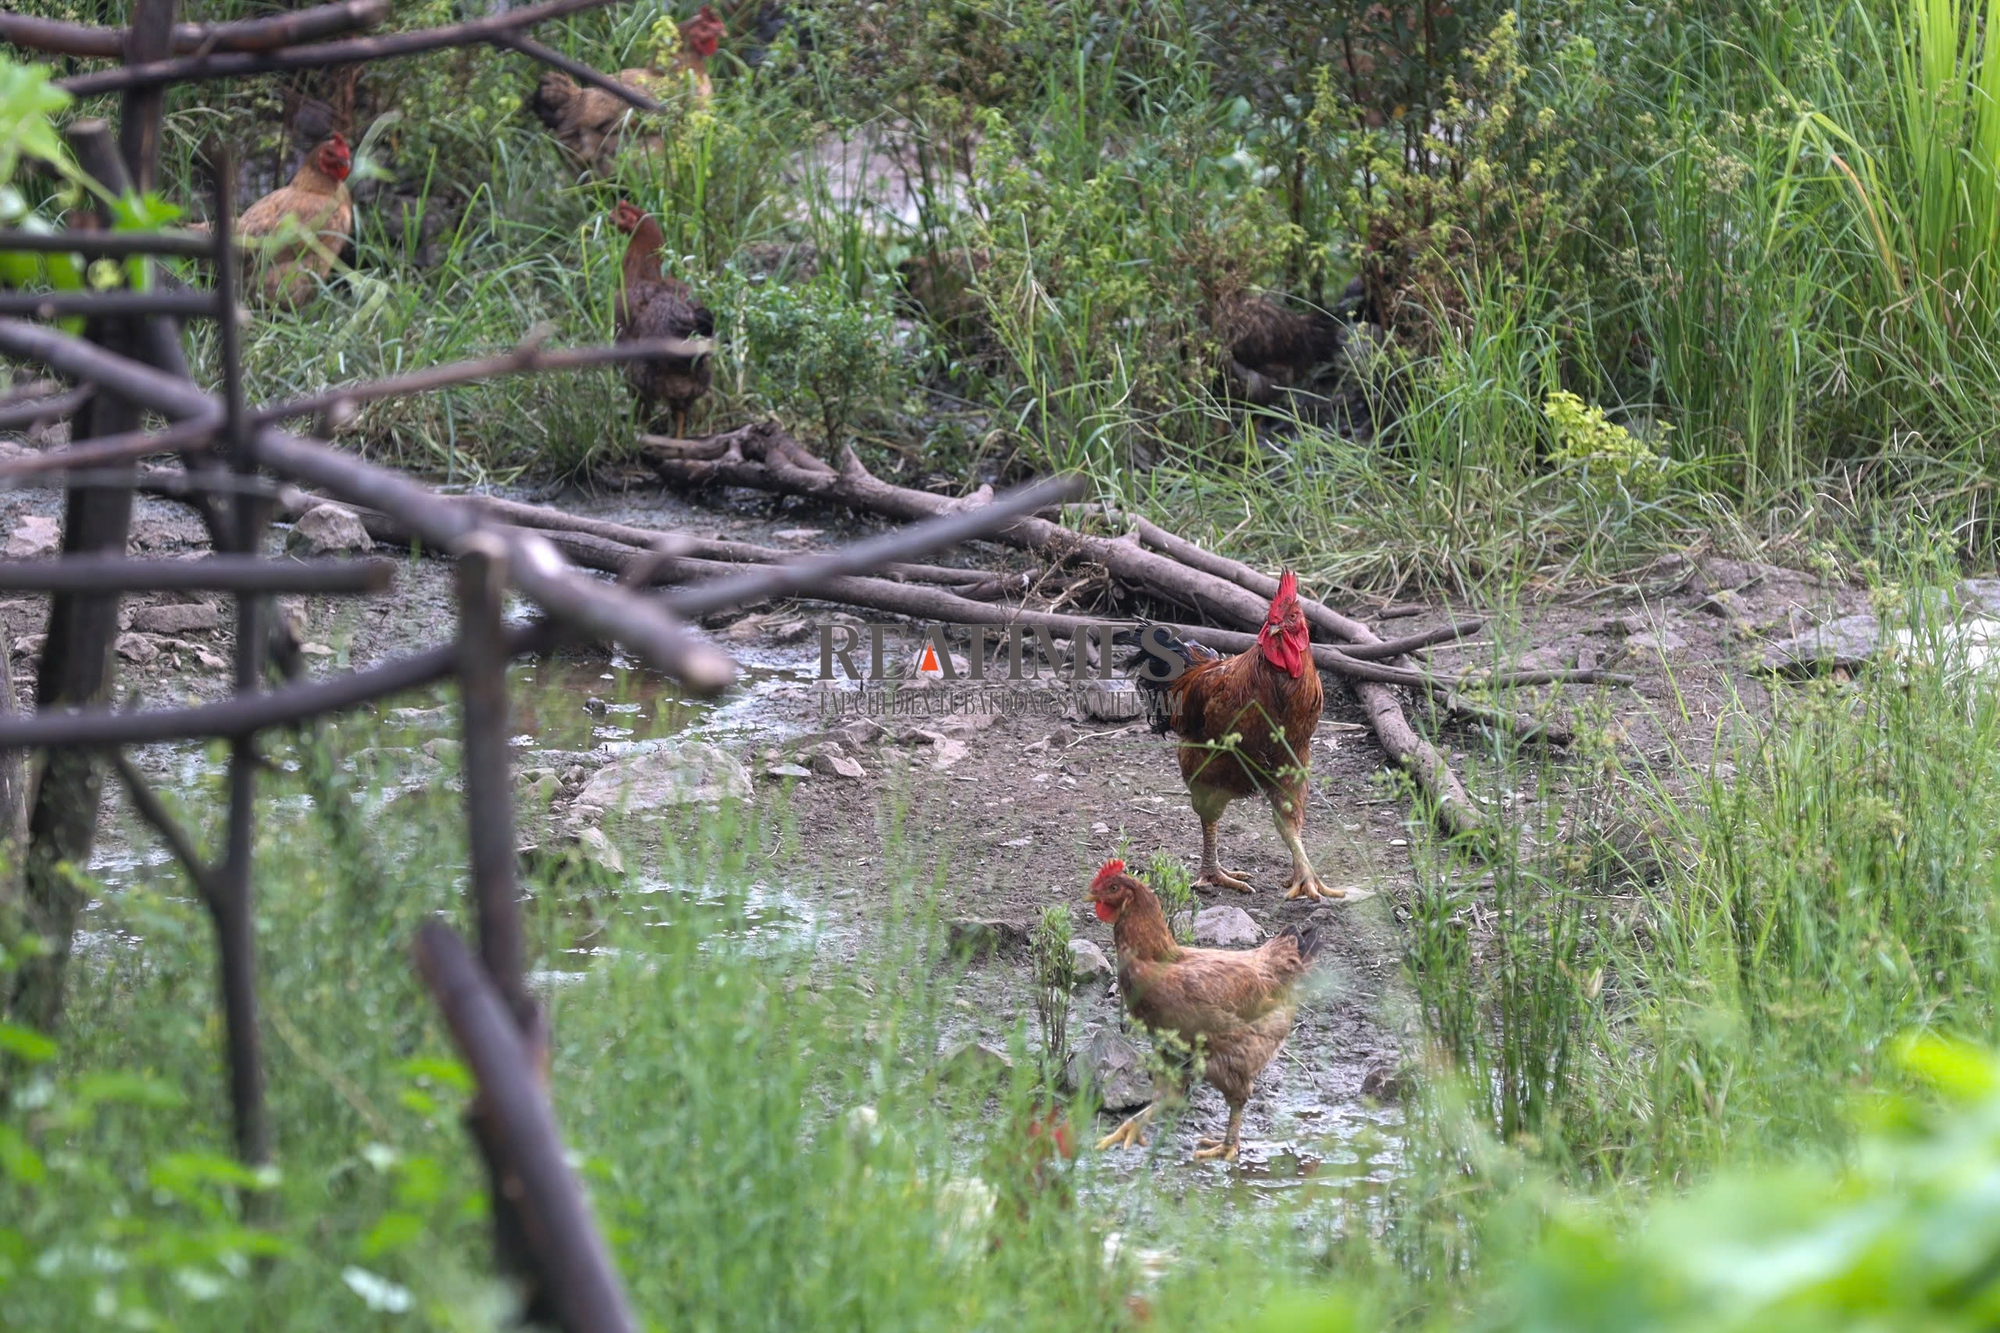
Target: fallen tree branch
32 409
89 42
528 358
182 437
577 70
236 64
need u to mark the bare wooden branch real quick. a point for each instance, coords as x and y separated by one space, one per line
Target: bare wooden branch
525 359
293 703
577 70
588 606
105 244
28 411
236 64
150 808
1410 643
571 1256
77 669
182 437
545 519
306 25
223 573
143 109
107 305
489 790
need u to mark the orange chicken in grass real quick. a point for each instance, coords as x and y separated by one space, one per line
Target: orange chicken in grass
592 123
1235 1003
292 235
1246 725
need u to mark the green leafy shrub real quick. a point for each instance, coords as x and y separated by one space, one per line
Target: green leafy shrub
814 353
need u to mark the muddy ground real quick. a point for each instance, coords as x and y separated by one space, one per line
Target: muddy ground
1021 808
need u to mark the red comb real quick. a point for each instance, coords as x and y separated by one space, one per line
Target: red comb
1109 871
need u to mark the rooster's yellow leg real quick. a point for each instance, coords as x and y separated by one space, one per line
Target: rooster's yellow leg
1288 811
1131 1134
1224 1148
1208 807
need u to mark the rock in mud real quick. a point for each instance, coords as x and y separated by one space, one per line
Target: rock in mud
860 732
1226 928
600 851
33 537
177 618
973 1060
983 935
1111 700
1115 1068
1092 967
688 773
1846 643
776 771
1658 640
137 648
834 764
329 529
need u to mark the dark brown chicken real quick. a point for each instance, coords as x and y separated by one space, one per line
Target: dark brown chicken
1268 699
1234 1005
1272 348
653 304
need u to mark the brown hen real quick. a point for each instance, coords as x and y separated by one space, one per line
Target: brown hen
293 235
1235 1005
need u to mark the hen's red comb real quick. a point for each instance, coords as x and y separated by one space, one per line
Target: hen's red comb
1109 871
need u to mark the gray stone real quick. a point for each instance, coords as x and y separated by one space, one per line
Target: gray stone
1226 928
787 771
982 935
1114 1068
689 773
177 618
33 537
600 851
137 648
329 529
831 763
1112 700
1845 643
974 1060
444 749
1658 640
1092 967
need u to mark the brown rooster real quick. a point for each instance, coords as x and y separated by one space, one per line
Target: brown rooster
1236 1004
653 304
292 236
1246 725
591 123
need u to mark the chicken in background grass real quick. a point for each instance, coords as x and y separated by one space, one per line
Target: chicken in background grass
1236 1004
654 304
591 122
1268 700
293 236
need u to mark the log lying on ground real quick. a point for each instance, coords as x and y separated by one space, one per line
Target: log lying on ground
764 458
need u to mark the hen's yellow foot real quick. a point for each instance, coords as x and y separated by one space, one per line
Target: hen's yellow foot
1309 886
1210 1150
1131 1134
1218 878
